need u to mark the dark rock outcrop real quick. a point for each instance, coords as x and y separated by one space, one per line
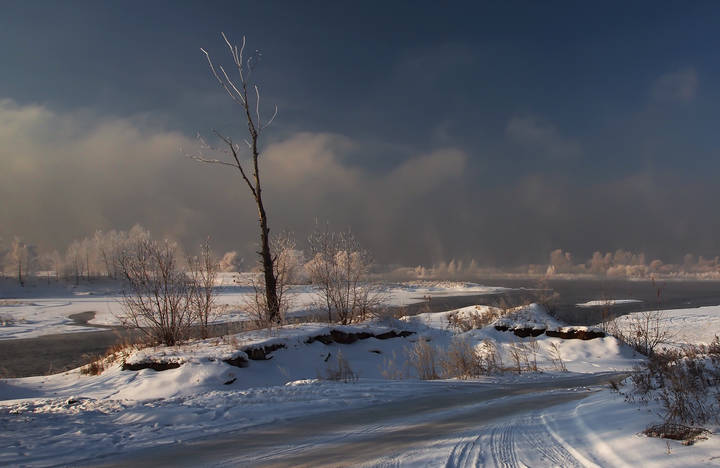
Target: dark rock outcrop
573 334
154 365
240 361
341 337
567 334
262 353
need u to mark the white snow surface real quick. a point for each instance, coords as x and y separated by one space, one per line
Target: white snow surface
607 302
70 418
50 310
699 325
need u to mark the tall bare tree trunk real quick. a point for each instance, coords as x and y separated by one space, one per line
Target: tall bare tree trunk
238 92
268 266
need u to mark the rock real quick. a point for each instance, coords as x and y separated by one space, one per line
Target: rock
573 334
262 353
154 365
525 332
240 361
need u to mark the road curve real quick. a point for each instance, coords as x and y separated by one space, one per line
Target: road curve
383 432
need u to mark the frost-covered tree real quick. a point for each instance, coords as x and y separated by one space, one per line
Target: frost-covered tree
244 93
99 254
21 259
339 270
162 298
286 264
74 261
55 261
231 262
202 272
156 294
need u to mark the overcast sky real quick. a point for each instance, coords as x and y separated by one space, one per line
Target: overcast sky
489 130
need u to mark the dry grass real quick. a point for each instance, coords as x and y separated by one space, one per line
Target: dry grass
686 382
421 357
391 369
459 360
686 434
556 358
117 352
476 319
341 371
94 368
524 356
462 360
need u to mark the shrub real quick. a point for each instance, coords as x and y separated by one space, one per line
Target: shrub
688 435
524 356
156 295
556 358
390 368
491 357
421 357
684 381
160 299
118 351
474 320
460 360
94 368
285 270
339 269
341 371
203 270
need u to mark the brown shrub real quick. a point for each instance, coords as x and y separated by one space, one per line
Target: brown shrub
341 371
687 434
460 360
421 357
684 381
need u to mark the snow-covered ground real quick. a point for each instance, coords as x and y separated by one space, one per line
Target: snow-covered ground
607 302
694 326
599 430
49 312
208 408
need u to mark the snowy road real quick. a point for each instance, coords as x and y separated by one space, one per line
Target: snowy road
457 424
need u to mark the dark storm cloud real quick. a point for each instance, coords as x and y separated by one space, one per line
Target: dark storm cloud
497 132
69 174
78 173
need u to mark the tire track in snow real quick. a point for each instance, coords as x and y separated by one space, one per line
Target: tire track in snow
485 425
502 447
517 443
541 441
470 453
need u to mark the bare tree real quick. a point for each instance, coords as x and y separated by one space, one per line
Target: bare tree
22 257
249 101
74 261
202 272
644 331
321 265
17 256
339 269
286 264
647 330
156 297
